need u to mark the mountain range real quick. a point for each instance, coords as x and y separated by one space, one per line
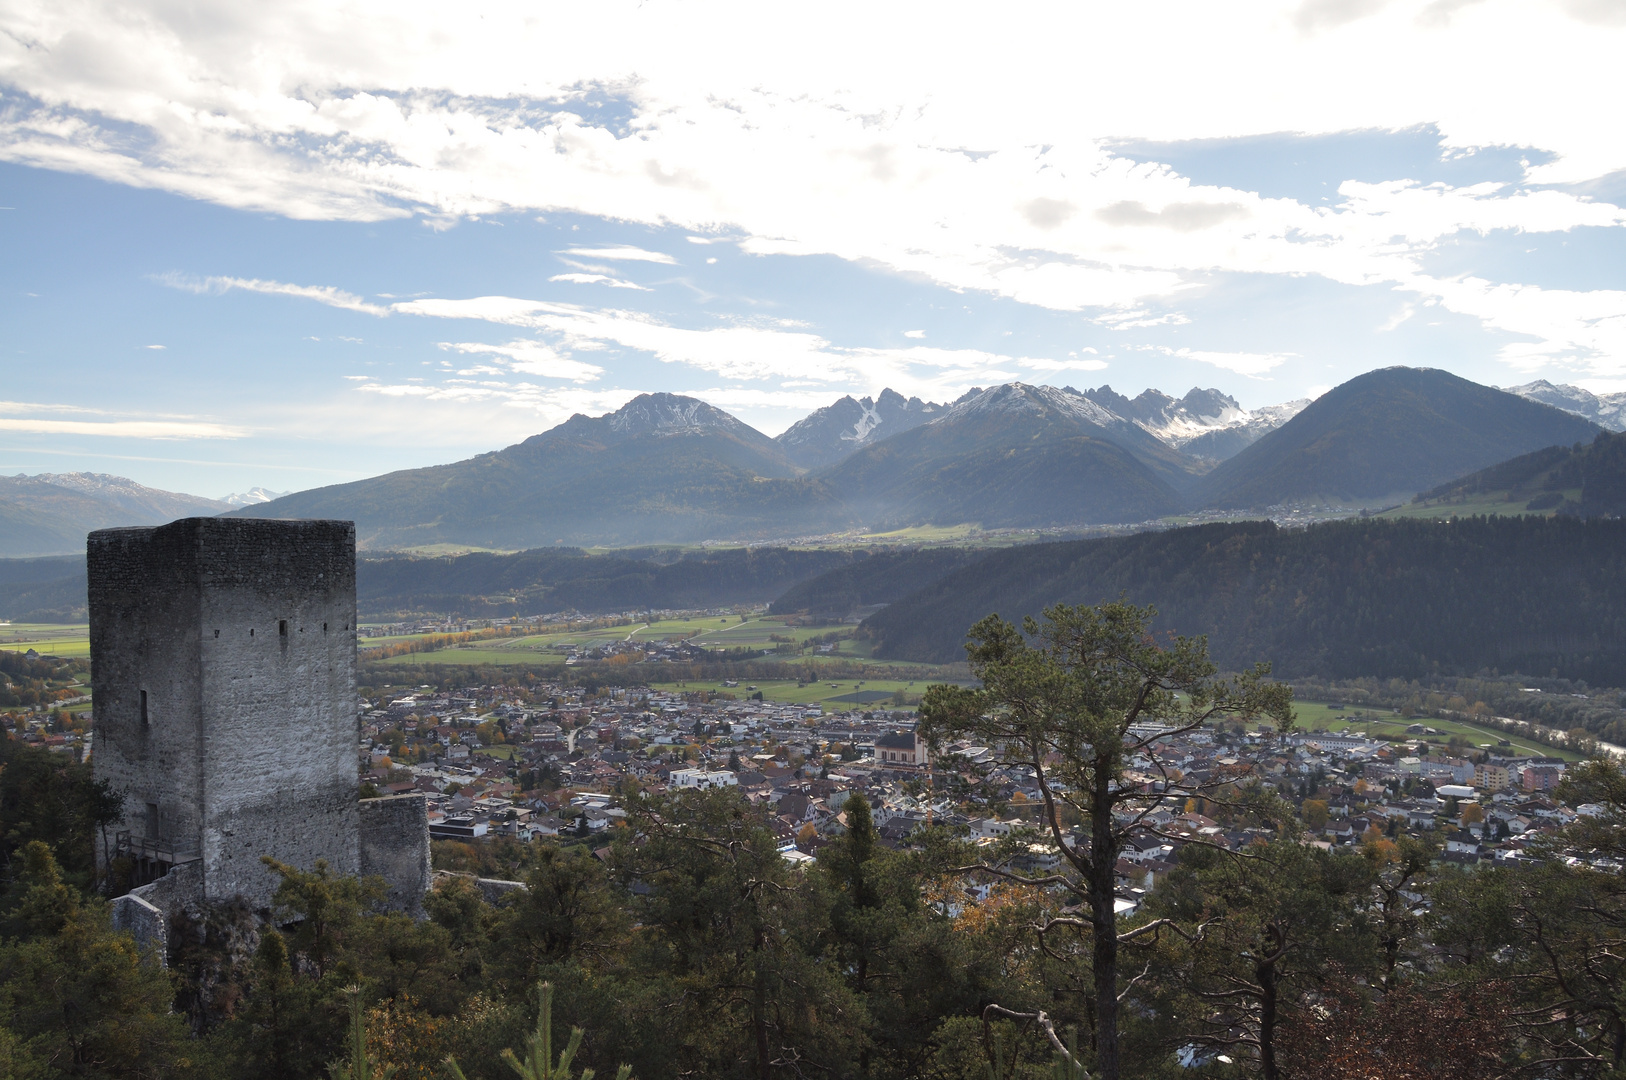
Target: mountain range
50 513
672 469
1605 410
666 468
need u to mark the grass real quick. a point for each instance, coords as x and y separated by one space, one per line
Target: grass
1381 724
51 639
1491 502
472 657
785 691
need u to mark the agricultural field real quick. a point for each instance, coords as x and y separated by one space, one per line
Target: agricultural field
1383 724
717 632
832 695
50 639
393 639
1485 505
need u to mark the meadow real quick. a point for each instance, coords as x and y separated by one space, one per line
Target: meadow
69 641
1382 724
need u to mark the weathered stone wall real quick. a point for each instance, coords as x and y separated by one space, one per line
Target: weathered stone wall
144 600
147 923
278 628
243 632
395 846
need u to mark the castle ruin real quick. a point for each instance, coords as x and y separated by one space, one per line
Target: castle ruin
223 671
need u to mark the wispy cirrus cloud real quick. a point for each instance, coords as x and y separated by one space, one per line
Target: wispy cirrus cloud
626 252
531 358
598 279
322 294
25 419
1254 365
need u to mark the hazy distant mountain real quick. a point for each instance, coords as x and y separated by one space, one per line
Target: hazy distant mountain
1013 456
50 513
1388 432
254 496
1206 424
1607 410
664 468
831 433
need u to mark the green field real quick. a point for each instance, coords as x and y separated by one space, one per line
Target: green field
1383 724
51 639
1485 505
716 632
822 693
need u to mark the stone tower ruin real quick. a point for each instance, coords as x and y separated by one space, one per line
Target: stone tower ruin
223 670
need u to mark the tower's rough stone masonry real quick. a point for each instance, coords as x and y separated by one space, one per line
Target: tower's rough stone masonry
395 847
223 665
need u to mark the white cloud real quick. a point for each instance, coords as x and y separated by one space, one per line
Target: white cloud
365 110
525 407
1040 364
1243 363
914 333
769 350
149 426
529 358
322 294
634 254
124 429
598 279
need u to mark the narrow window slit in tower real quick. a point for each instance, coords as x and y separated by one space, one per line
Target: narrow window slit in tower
144 722
282 627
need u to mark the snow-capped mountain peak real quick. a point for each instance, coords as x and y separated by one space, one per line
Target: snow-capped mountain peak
1022 397
254 496
1607 410
669 413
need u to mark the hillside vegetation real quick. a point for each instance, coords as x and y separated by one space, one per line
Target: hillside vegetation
879 579
1587 479
561 579
1544 596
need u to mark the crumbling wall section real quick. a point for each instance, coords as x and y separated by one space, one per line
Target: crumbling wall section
395 846
145 922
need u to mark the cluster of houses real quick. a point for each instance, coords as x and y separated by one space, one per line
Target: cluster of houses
553 762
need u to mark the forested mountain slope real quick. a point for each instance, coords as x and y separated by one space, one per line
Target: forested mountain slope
561 579
1588 479
870 579
1393 431
43 590
482 585
1389 598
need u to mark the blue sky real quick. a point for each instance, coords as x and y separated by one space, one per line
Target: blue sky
304 245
